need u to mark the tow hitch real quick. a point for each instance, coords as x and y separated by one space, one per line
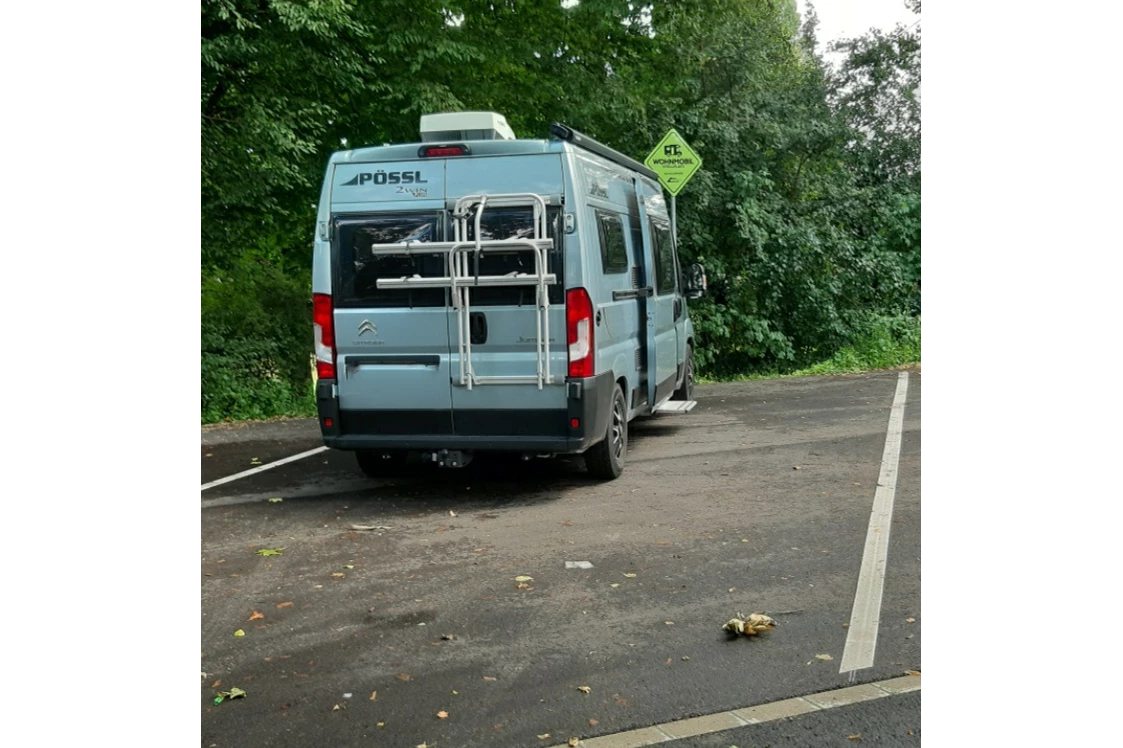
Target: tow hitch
448 458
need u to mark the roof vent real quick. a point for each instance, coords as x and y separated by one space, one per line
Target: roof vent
459 126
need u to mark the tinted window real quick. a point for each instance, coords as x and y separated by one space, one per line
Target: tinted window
665 273
360 270
613 253
513 223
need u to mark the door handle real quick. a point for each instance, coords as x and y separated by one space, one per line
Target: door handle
477 326
635 293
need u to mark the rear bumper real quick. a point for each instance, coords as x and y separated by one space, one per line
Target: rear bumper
588 400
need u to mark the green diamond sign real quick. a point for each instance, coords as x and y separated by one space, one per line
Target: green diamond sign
674 161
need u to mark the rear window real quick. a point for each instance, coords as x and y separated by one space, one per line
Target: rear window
514 223
359 270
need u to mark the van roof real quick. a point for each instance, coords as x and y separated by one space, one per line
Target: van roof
409 151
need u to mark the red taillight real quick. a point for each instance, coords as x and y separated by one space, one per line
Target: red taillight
324 333
579 332
443 150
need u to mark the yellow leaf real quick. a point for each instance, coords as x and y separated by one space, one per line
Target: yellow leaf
373 695
442 715
584 689
544 736
614 584
524 578
337 574
630 576
910 620
275 501
381 724
574 742
256 616
239 633
823 657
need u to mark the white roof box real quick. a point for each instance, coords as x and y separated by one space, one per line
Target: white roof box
458 126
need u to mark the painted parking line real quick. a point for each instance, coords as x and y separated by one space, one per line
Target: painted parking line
261 468
861 637
754 715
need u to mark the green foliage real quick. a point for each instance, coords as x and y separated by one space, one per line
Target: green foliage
881 343
256 343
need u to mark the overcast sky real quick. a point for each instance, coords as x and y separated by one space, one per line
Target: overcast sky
839 19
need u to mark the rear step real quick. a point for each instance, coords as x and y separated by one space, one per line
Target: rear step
675 407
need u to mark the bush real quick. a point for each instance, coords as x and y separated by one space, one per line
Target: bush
256 344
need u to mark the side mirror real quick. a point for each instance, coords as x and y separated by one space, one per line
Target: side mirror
695 282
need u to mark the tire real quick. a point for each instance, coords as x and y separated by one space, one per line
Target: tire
605 459
381 463
686 391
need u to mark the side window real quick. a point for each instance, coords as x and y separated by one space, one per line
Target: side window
613 253
665 271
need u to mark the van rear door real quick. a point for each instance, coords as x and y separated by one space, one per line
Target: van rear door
392 344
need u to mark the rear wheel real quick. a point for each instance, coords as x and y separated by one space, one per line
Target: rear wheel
686 390
605 459
381 463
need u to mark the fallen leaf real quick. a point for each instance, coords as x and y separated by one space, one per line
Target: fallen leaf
544 736
823 657
669 623
448 637
524 578
668 662
910 620
455 693
442 715
685 658
233 693
239 633
614 584
337 574
216 684
594 722
370 527
403 677
584 689
912 672
630 576
381 724
795 467
451 513
373 695
523 586
490 677
854 737
275 500
284 605
574 742
269 551
348 566
744 540
256 616
336 708
422 745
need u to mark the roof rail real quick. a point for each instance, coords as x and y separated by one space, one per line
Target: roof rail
570 135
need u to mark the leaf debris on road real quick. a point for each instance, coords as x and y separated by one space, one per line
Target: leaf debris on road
269 551
233 693
750 625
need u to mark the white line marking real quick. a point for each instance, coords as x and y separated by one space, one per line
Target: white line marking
578 565
861 637
260 468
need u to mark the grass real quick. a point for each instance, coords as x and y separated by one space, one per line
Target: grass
887 343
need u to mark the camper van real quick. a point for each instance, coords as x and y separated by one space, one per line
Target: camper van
475 292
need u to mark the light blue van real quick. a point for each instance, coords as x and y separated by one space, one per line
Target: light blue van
476 292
